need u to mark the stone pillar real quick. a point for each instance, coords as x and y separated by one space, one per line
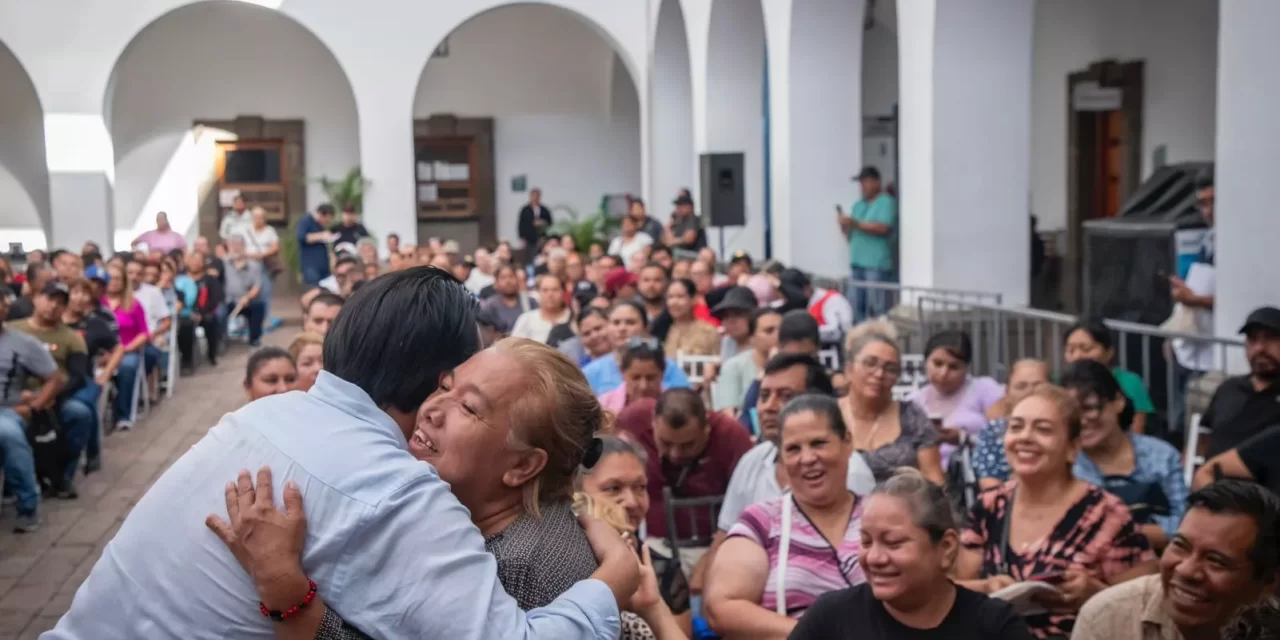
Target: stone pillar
965 91
669 112
1247 226
385 111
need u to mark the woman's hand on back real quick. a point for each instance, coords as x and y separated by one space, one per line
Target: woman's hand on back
265 540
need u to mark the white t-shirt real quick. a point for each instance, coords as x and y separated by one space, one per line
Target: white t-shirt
624 250
153 304
533 326
477 281
233 224
754 480
257 242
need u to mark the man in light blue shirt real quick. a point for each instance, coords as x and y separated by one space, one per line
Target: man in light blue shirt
388 546
871 229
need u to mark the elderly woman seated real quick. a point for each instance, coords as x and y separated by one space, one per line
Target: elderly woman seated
785 552
1048 525
508 430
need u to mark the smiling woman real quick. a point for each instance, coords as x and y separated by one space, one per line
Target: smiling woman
1047 525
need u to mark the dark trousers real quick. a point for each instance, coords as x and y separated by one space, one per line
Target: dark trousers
255 314
187 338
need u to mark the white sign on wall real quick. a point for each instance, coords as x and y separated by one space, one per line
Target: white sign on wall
1090 96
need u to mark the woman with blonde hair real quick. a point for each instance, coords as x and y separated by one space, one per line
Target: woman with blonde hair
307 350
508 430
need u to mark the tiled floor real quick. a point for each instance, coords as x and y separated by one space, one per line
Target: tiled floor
40 572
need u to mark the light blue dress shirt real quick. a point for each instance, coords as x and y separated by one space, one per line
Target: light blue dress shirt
390 548
604 376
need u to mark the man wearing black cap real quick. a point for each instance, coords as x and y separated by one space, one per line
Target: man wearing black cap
1246 405
683 230
870 228
72 358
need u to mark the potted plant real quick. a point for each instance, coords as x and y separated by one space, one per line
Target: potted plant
348 189
598 227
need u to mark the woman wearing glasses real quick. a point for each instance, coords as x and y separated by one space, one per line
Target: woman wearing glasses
628 322
888 433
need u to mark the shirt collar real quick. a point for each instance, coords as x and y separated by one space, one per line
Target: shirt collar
353 400
1154 613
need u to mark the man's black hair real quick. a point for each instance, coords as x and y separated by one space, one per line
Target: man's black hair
816 379
57 253
325 209
1204 179
326 298
397 335
347 259
1255 501
797 325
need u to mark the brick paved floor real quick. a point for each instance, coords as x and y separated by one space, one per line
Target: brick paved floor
40 572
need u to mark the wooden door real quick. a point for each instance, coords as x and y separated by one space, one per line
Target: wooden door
258 171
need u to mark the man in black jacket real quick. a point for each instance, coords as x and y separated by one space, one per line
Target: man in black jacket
534 221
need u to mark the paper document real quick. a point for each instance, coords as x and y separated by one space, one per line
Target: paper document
1022 596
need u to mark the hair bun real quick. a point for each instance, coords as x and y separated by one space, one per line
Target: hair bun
593 452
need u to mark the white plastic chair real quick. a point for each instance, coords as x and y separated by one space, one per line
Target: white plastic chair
141 391
912 377
830 358
171 375
1191 458
695 367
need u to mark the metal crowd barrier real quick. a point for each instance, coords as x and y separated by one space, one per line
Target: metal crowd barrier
1004 335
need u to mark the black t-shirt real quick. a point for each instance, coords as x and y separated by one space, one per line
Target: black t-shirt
99 337
584 291
1261 456
21 308
1239 412
855 614
351 234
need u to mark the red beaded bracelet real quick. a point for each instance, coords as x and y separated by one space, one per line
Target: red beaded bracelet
278 615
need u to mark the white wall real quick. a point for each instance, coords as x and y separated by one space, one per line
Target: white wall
24 180
671 109
879 86
547 79
1177 39
218 61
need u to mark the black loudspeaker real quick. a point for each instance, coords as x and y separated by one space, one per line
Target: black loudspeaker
723 191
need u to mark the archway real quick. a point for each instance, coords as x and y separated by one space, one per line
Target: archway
735 79
522 96
216 72
880 88
24 178
672 154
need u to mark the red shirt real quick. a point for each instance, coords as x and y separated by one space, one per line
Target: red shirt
702 312
709 476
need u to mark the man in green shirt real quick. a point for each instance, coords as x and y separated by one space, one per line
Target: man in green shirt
871 229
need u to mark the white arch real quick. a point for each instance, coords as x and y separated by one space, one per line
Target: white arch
734 121
260 62
671 129
24 178
563 95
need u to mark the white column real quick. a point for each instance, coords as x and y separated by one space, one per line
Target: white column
78 152
1247 225
815 87
730 118
385 109
965 91
670 113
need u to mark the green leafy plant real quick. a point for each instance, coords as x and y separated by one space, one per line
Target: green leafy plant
289 254
347 190
597 227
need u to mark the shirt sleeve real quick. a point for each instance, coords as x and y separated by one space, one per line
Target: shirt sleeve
37 358
753 524
1128 546
1258 453
884 211
736 497
1174 484
1136 391
674 377
405 580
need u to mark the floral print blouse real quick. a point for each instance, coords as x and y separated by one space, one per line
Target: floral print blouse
1096 534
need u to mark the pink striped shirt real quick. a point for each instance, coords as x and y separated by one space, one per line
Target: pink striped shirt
813 567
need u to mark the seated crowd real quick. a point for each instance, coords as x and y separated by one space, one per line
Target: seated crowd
762 489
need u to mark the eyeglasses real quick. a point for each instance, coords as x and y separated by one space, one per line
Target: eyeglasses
643 342
887 367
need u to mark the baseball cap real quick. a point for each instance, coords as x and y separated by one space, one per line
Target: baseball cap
868 172
1262 318
736 299
683 200
96 272
55 288
740 256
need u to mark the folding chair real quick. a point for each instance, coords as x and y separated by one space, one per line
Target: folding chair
171 374
1191 456
695 367
141 393
690 507
830 358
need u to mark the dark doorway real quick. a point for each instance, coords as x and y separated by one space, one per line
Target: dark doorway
1104 147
